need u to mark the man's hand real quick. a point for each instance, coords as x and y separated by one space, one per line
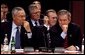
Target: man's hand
65 28
46 20
71 48
26 25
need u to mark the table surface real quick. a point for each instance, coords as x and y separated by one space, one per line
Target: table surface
30 51
43 52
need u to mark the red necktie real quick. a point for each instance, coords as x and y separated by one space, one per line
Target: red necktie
66 42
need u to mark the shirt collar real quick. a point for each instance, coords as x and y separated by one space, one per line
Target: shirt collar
14 26
33 22
4 20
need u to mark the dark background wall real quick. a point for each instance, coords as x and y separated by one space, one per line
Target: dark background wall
75 7
46 4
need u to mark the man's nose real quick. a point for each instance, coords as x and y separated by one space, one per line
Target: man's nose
23 18
62 22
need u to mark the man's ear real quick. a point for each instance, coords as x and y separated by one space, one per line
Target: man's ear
69 19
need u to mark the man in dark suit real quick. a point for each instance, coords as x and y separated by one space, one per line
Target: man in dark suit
50 20
34 15
65 33
38 30
19 27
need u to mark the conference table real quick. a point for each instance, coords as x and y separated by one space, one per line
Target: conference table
41 53
31 51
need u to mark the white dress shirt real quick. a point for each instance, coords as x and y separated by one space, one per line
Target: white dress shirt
4 20
33 22
47 26
63 35
13 33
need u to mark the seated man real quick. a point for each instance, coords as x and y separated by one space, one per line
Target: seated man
37 28
50 20
19 29
65 33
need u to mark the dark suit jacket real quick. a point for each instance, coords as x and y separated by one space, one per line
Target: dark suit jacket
3 29
73 34
38 34
6 28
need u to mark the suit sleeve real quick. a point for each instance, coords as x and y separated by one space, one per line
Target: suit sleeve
78 38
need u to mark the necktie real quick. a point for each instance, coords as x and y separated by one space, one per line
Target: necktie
49 40
66 42
36 23
17 39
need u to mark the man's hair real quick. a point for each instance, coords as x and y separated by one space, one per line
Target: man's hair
64 12
32 7
36 2
50 10
16 9
5 5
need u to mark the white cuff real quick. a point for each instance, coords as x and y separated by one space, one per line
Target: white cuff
29 35
77 48
63 35
47 26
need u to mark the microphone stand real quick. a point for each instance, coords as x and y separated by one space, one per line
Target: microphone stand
48 41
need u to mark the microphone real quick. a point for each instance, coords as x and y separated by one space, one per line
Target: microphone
44 31
48 37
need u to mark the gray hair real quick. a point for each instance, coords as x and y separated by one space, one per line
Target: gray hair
63 12
36 2
16 9
50 10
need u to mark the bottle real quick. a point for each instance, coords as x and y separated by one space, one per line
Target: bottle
13 45
83 45
5 40
5 47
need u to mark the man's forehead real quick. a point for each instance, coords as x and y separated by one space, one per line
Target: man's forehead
3 5
52 14
20 12
63 15
36 10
